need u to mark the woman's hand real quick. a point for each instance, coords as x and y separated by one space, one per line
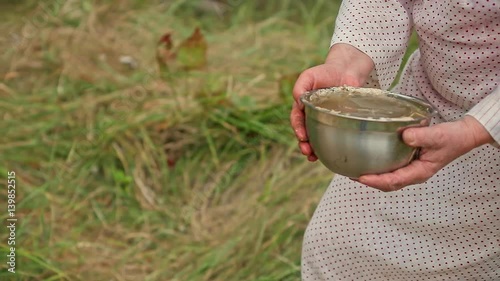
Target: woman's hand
345 65
440 144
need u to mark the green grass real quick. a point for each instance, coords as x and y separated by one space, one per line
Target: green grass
131 174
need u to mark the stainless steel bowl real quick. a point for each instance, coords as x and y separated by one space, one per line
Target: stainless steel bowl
354 146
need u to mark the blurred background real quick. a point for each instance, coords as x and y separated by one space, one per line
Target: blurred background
151 141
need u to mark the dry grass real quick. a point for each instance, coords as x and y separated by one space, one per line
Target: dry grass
126 174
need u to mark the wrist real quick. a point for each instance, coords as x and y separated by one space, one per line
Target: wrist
475 132
355 63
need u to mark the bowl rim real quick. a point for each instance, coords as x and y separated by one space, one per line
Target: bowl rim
432 111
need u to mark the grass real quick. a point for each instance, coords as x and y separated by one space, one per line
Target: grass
133 174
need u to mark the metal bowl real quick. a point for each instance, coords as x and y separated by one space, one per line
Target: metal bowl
353 146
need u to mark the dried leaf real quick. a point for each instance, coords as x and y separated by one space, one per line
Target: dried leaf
164 53
192 53
166 41
171 162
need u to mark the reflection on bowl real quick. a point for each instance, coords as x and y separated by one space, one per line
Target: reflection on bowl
357 131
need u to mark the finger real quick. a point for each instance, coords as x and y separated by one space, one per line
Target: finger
433 136
297 120
416 172
305 148
312 158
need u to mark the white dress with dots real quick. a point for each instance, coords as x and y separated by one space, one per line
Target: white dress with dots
449 227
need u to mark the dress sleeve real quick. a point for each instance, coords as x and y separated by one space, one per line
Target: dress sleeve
379 28
487 112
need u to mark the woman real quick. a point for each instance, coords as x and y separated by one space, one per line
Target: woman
443 223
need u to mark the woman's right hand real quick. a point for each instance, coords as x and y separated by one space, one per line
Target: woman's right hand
345 65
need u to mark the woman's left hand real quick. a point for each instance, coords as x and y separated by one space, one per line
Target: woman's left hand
440 144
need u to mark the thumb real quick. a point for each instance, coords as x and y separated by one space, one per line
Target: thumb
320 76
423 137
303 84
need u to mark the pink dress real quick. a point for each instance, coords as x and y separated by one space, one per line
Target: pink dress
449 227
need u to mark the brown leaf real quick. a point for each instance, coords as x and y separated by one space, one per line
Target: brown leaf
192 53
171 162
164 53
166 41
162 126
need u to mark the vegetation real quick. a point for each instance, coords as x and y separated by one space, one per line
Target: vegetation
133 167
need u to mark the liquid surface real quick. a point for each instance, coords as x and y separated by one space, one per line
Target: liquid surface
368 103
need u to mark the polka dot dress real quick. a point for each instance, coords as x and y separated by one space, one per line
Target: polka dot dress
449 227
